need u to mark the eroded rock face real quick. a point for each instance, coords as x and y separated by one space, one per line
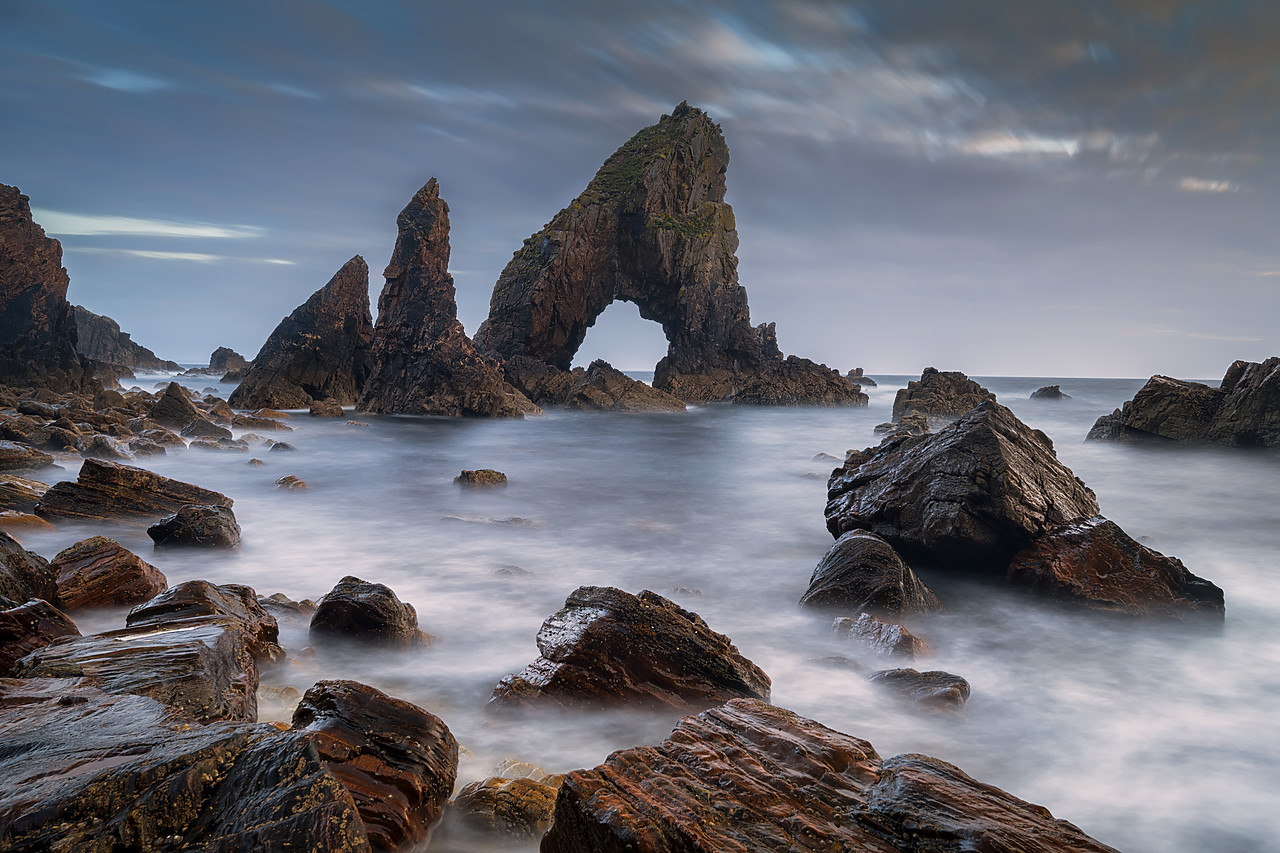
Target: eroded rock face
197 525
862 573
98 571
28 627
1095 564
319 352
940 394
359 611
37 325
99 338
107 490
969 495
422 362
608 648
651 228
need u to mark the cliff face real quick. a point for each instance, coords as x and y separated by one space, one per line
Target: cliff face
99 338
422 362
37 326
651 228
319 351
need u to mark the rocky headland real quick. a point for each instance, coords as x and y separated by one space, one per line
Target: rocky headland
99 338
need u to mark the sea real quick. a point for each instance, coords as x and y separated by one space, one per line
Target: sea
1153 737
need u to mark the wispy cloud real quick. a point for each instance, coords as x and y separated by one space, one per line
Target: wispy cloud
123 80
1199 185
197 257
93 225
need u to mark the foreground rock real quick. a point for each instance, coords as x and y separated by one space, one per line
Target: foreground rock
29 627
422 362
940 394
862 573
99 338
319 352
24 574
107 490
99 572
198 526
598 388
935 691
20 493
749 776
1243 411
652 228
1096 565
356 610
397 761
608 648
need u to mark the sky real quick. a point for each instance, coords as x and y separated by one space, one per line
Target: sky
1002 187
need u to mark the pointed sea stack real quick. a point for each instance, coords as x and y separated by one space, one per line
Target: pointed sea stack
653 228
423 363
37 325
318 352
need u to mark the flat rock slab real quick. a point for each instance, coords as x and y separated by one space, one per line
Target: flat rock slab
28 627
107 490
98 571
20 457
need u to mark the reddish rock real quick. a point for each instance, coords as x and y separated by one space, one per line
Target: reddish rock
24 574
106 490
886 639
607 648
356 610
20 493
481 477
29 627
940 394
19 457
17 522
862 572
98 571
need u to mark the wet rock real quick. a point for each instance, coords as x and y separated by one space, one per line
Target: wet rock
105 447
267 424
161 435
29 627
861 573
1049 392
912 423
282 606
356 610
796 381
17 522
291 483
422 361
281 447
24 574
146 447
884 639
226 445
38 409
934 691
200 525
174 408
193 601
99 338
481 477
200 428
397 761
328 408
320 351
1096 565
16 457
608 648
940 394
98 571
257 463
520 807
969 495
107 490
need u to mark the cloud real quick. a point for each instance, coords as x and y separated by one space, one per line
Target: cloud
1204 336
1199 185
197 257
123 80
93 225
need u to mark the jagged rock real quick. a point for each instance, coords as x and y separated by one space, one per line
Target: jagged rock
107 490
608 648
328 408
24 574
940 394
225 359
520 807
969 495
857 377
199 525
105 447
356 610
749 776
320 351
100 339
482 477
37 325
795 381
29 627
1049 392
1095 564
174 408
193 601
884 639
19 457
397 761
598 388
99 571
651 228
934 691
282 606
861 573
422 361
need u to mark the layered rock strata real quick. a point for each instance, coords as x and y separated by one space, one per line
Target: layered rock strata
24 574
107 490
98 571
29 627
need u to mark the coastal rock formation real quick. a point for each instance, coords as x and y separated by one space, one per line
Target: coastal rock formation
197 525
99 338
319 352
20 493
28 627
422 362
1049 392
608 648
749 776
1244 410
969 495
651 228
356 610
98 571
598 388
37 325
857 377
1097 565
227 360
24 574
862 573
940 394
174 408
883 639
934 691
191 601
107 490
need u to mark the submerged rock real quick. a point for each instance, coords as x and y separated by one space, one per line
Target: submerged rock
608 648
197 525
940 394
861 573
319 352
28 628
356 610
1049 392
934 691
107 490
884 639
98 571
598 388
174 408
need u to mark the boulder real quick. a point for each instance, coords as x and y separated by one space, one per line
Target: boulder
98 571
29 627
291 483
24 574
422 361
935 691
366 612
796 381
20 493
749 776
201 428
16 457
397 761
607 648
174 408
479 478
1096 565
520 807
862 573
320 351
970 495
107 490
193 601
327 408
99 339
1049 392
883 639
940 394
200 525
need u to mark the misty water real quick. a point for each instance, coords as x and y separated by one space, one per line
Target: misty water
1150 737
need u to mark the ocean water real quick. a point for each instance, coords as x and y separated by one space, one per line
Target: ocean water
1150 737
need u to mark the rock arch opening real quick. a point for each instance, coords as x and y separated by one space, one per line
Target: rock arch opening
623 338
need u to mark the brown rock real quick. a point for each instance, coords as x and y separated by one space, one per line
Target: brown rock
517 807
201 428
225 360
199 525
19 493
174 408
598 388
267 424
356 610
291 483
29 627
106 490
99 571
885 639
192 601
327 408
480 478
18 457
24 574
861 573
934 691
607 648
12 522
940 394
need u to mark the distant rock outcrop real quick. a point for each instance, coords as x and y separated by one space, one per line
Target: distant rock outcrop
37 325
652 228
100 339
599 388
422 361
939 394
319 352
1049 392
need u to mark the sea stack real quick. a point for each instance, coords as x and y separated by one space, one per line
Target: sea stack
423 363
